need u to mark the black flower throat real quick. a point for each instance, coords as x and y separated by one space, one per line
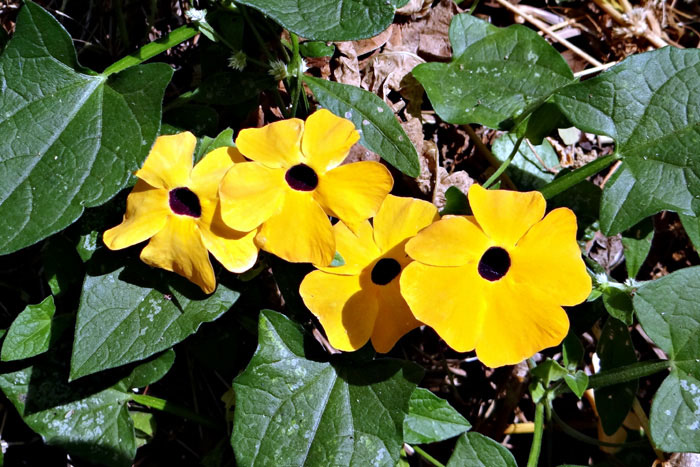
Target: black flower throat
301 177
385 271
184 202
494 263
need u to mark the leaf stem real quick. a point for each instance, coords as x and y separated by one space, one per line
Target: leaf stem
622 374
627 373
563 183
152 49
296 66
428 457
537 436
505 163
166 406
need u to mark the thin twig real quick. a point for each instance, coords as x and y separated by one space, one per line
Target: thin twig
544 28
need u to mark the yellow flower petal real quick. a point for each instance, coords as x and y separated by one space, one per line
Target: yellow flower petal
357 248
519 322
146 213
275 145
169 163
448 299
394 318
354 192
504 215
207 174
327 140
235 250
451 241
549 259
179 248
250 194
301 232
346 312
401 218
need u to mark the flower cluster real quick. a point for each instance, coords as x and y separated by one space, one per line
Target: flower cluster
494 282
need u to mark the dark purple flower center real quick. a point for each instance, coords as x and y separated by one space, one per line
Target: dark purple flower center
184 202
301 177
494 263
385 271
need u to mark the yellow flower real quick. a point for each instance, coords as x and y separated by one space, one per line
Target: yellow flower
295 182
496 282
361 299
177 207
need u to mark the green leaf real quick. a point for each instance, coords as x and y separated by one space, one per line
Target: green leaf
88 419
647 104
526 169
68 140
431 419
476 450
636 243
667 310
618 304
338 260
615 349
31 332
496 76
578 382
380 132
549 371
571 350
314 413
456 202
330 20
207 144
316 49
691 224
134 312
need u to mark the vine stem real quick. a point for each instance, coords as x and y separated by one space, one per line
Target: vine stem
296 65
537 436
427 457
505 164
563 183
622 374
166 406
152 49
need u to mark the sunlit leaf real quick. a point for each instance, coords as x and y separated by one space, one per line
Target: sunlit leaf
431 419
68 139
496 75
667 310
134 312
649 105
317 413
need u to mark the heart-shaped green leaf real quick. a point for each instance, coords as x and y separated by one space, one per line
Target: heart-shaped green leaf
88 419
431 419
496 76
30 333
134 312
380 132
648 103
68 139
476 450
330 20
667 310
313 413
578 382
